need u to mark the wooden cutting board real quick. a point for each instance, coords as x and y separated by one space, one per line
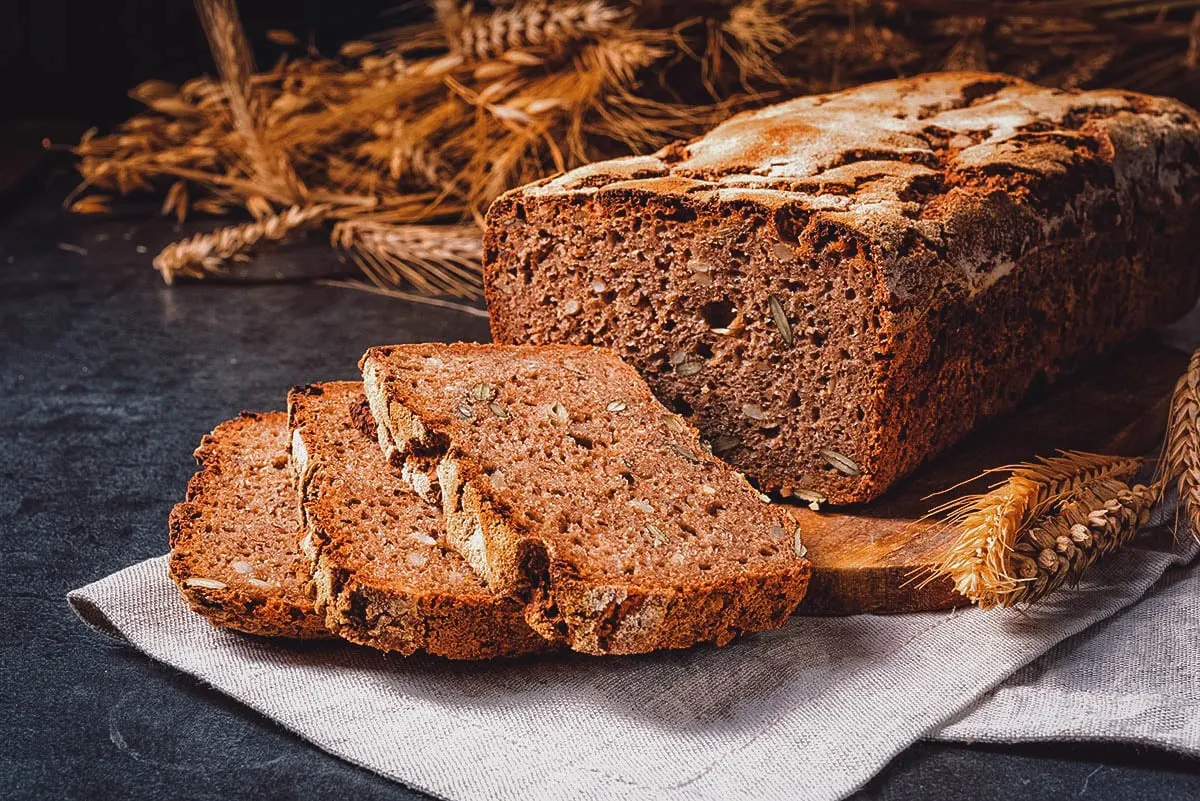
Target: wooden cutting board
875 557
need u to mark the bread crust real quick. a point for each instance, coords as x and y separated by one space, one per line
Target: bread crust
395 607
871 273
243 461
516 553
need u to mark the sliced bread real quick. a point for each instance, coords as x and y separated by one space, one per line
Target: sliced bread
565 482
384 575
233 541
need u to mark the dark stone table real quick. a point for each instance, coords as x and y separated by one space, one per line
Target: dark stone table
108 380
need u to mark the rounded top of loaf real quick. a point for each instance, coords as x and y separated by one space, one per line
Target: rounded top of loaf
923 160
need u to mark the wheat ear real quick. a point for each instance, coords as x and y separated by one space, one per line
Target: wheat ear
538 25
440 259
991 525
1058 547
1181 459
205 254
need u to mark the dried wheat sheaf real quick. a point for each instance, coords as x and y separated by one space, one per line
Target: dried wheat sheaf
426 125
1042 526
1047 521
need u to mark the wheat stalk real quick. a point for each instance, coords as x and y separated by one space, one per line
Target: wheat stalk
983 561
1181 457
267 164
210 253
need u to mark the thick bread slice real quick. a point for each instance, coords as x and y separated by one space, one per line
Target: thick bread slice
564 481
384 576
233 541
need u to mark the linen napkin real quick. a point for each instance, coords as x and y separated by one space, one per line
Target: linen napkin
813 710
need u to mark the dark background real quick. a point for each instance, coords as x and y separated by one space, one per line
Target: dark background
107 380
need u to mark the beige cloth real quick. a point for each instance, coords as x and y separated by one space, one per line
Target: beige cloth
811 711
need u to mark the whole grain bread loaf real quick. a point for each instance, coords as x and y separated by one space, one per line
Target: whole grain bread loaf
384 574
233 541
566 483
835 288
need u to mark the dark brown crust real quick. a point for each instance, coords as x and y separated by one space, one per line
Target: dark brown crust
960 268
393 612
282 610
591 617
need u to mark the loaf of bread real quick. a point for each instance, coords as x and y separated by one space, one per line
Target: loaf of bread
384 574
835 288
564 482
233 541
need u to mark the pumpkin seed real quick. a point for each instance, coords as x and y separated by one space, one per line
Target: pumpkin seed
840 462
781 321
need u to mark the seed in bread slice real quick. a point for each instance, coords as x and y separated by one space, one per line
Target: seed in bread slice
384 575
565 482
233 541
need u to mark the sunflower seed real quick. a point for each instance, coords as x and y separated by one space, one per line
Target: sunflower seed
616 406
707 490
466 413
558 413
659 536
571 307
205 583
483 392
783 252
814 498
423 538
724 443
688 368
781 320
498 410
840 462
599 286
641 506
687 455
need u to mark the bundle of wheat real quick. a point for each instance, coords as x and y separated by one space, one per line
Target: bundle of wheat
426 125
1047 521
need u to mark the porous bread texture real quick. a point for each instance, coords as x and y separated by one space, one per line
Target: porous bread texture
565 482
233 541
384 575
835 288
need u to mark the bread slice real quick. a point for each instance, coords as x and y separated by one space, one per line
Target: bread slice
233 541
565 482
384 576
